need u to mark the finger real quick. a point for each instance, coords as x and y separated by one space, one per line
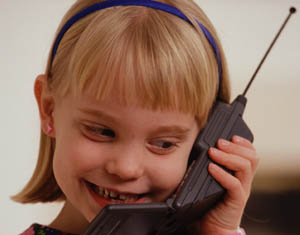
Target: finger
240 166
239 150
235 190
243 142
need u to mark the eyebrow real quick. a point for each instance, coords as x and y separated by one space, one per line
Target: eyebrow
173 129
97 113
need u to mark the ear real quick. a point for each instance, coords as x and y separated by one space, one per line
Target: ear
45 101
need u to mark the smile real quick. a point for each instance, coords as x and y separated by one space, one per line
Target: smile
105 196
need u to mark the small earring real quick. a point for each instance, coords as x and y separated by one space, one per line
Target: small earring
49 128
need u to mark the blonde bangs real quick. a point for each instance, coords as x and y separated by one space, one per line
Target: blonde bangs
141 57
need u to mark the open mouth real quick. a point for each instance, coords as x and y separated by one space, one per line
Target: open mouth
112 196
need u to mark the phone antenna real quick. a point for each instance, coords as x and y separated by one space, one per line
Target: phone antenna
292 11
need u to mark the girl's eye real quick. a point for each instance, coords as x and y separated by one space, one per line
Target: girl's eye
100 132
162 146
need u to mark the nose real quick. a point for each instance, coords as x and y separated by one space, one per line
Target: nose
127 164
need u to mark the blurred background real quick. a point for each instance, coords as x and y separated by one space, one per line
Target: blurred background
246 29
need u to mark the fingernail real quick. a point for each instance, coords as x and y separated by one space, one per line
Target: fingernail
237 139
224 143
213 167
213 150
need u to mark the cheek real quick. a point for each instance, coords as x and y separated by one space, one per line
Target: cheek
167 175
76 155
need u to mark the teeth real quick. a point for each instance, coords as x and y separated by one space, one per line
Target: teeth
123 197
101 190
113 195
128 197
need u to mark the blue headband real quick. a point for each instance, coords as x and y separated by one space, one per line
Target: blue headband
146 3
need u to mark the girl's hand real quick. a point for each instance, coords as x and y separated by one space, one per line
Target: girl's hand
240 157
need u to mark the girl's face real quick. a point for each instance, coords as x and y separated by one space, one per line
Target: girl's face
110 153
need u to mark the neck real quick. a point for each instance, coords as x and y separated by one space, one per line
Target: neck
69 220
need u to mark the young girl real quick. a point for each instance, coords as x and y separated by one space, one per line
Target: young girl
125 93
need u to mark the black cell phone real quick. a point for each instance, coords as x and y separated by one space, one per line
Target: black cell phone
197 192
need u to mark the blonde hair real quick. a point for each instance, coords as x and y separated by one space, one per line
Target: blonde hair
136 52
